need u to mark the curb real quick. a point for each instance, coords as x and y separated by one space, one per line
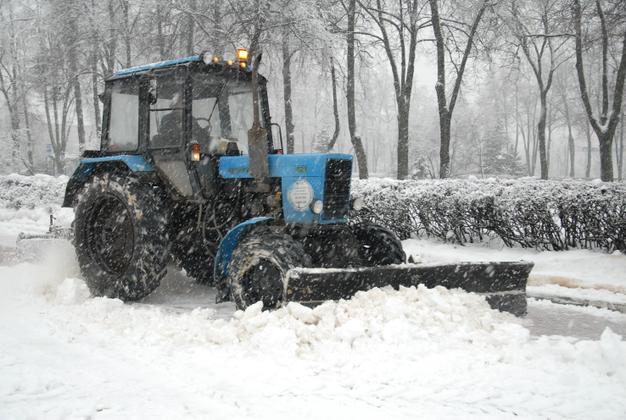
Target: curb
613 306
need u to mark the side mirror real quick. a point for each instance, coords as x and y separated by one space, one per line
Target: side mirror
280 136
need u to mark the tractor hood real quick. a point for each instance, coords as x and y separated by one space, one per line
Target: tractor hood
280 166
305 179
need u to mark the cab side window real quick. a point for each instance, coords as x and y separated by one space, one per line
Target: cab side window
166 111
124 116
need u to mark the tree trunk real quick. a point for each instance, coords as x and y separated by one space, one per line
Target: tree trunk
541 135
588 167
333 79
517 127
190 27
606 157
15 134
111 43
620 152
572 153
354 138
127 43
289 124
94 92
74 74
526 143
403 141
29 135
570 137
444 148
78 106
160 34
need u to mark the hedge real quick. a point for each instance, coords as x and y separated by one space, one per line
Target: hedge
531 213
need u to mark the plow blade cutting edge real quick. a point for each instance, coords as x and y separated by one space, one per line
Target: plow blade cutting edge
502 283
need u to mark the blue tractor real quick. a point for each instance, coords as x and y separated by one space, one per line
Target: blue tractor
190 172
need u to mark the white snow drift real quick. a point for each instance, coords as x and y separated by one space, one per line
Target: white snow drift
384 354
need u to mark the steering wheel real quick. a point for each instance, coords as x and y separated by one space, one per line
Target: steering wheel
208 122
207 129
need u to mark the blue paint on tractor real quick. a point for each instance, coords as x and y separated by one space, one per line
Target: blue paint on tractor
295 165
290 169
136 163
229 243
159 65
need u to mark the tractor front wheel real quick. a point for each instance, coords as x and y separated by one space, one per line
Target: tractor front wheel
120 237
378 245
259 265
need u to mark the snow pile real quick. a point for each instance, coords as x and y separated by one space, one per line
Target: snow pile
527 212
385 353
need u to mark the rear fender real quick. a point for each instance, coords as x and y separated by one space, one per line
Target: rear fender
225 252
106 164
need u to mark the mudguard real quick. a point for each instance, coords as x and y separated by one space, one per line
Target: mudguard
87 166
225 252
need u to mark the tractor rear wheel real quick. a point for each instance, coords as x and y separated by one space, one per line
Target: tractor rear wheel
259 265
378 245
120 237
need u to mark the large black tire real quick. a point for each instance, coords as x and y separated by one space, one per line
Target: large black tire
197 260
188 250
258 267
121 237
378 245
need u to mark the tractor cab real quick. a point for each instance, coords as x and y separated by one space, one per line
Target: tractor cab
182 115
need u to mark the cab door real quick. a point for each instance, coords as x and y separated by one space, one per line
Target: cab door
167 114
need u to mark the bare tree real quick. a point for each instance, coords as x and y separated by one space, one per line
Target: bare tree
336 131
10 76
563 90
69 17
446 107
535 27
398 28
354 137
606 124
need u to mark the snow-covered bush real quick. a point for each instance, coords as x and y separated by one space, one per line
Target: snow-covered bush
19 191
529 213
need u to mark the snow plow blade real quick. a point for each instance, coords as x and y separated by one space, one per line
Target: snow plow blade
503 283
32 248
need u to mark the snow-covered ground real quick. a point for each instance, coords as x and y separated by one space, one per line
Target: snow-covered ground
384 354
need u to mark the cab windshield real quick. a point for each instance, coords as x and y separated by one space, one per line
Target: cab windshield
221 108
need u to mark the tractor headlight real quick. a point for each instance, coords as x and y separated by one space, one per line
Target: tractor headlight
195 152
300 195
317 206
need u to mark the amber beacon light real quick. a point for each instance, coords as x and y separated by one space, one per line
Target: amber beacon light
242 57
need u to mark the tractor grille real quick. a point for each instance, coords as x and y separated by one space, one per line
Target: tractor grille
337 188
